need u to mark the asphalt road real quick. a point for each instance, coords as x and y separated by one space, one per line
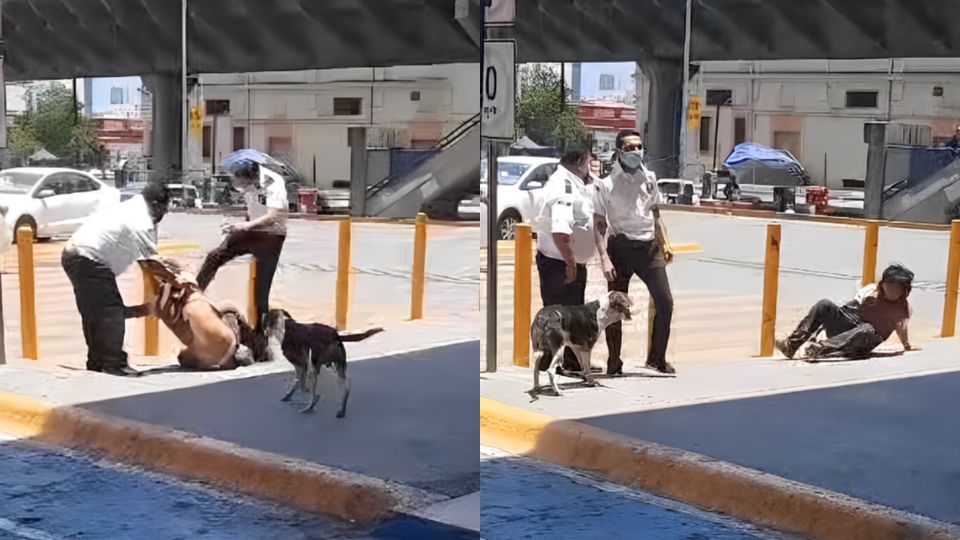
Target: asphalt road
524 498
816 260
47 494
382 258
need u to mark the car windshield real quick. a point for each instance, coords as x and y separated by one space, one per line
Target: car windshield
509 172
18 181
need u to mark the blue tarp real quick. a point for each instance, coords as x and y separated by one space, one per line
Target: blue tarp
745 152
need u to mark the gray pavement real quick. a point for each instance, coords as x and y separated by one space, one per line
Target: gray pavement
48 494
890 442
524 498
412 418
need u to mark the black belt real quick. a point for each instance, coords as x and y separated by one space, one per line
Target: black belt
625 239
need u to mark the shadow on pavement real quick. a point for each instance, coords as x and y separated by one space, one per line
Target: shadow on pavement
890 442
411 418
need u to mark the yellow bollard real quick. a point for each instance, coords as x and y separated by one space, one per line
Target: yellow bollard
343 275
871 240
419 267
252 315
953 278
522 268
771 283
28 294
151 325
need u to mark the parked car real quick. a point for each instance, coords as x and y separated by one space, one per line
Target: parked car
51 201
519 185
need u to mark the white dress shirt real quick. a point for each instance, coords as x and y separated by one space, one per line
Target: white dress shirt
627 202
567 208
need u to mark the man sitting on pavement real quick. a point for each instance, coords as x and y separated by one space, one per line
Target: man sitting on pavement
102 249
858 327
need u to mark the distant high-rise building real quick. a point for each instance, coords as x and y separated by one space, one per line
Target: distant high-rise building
116 95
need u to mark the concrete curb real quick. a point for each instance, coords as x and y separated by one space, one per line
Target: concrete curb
293 482
712 484
769 214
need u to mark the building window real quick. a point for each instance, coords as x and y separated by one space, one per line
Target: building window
346 106
415 95
239 136
207 134
719 97
217 106
705 133
739 130
862 100
116 95
606 82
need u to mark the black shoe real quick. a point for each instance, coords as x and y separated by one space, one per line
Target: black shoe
615 369
786 348
94 367
121 371
664 367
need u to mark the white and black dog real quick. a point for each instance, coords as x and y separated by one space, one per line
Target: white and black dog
309 347
576 327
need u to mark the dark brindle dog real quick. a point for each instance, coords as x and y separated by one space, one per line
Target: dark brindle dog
310 347
576 327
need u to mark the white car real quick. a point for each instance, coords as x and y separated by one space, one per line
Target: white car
519 186
51 201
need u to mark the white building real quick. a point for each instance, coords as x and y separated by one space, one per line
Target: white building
303 116
816 109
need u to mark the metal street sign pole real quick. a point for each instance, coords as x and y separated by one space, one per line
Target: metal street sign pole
684 131
497 96
492 238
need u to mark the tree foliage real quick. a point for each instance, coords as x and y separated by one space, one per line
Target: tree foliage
55 124
543 113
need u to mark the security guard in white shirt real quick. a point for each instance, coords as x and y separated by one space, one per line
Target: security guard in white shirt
626 204
565 243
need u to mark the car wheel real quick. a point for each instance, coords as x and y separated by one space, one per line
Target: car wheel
25 221
507 225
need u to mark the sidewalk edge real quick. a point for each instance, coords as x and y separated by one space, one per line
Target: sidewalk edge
289 481
715 485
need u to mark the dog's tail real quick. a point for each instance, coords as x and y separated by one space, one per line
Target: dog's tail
360 336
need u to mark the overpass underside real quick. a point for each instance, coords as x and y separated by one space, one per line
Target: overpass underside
58 39
651 33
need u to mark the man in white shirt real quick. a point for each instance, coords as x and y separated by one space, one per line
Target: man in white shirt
262 235
626 205
565 238
99 251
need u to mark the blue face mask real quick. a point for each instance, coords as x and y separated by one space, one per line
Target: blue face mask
632 160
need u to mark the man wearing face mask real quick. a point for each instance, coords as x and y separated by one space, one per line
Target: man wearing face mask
625 203
565 238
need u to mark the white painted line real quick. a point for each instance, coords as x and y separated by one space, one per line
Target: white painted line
25 532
